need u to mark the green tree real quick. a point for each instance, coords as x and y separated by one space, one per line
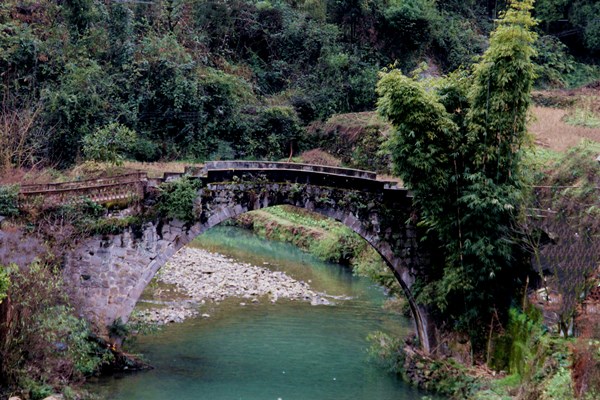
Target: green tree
80 103
274 134
109 143
80 15
457 146
573 20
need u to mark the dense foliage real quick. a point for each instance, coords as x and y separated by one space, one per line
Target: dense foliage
44 346
8 200
202 79
176 199
457 146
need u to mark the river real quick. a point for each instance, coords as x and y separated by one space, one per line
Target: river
289 350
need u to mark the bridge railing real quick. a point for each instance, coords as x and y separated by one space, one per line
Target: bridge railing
268 165
74 185
122 187
128 186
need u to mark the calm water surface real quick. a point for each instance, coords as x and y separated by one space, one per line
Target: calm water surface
288 350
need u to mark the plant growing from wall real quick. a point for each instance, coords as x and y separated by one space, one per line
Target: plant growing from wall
177 198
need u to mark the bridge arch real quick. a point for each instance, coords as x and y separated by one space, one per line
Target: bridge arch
107 274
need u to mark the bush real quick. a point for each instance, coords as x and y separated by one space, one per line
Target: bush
411 20
457 39
9 196
145 150
554 64
4 284
109 143
45 346
275 134
559 387
177 199
76 108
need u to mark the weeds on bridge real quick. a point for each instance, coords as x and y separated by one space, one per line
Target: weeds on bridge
176 199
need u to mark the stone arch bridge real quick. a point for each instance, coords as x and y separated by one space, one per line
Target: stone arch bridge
106 274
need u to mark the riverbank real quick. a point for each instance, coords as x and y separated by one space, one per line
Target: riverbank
195 278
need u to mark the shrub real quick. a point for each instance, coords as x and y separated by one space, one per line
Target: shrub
109 143
9 200
559 387
177 198
553 61
411 20
275 134
387 351
44 344
76 108
145 150
4 284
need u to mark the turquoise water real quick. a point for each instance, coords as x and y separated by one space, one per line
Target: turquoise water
289 350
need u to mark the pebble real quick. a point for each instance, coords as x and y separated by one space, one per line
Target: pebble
207 277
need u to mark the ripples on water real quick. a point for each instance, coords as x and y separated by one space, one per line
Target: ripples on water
288 351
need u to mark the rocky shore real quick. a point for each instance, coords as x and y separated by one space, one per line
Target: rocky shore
203 277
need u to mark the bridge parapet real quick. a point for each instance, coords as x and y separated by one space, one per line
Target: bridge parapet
134 184
73 185
215 171
101 190
274 165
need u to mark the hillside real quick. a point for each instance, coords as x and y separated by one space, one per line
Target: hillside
204 79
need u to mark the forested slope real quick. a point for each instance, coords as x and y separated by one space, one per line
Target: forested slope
200 79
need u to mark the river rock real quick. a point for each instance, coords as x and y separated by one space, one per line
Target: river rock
204 277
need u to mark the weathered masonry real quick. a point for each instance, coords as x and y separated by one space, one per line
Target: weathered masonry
106 274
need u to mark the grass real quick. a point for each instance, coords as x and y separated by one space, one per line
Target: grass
583 117
318 156
157 169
